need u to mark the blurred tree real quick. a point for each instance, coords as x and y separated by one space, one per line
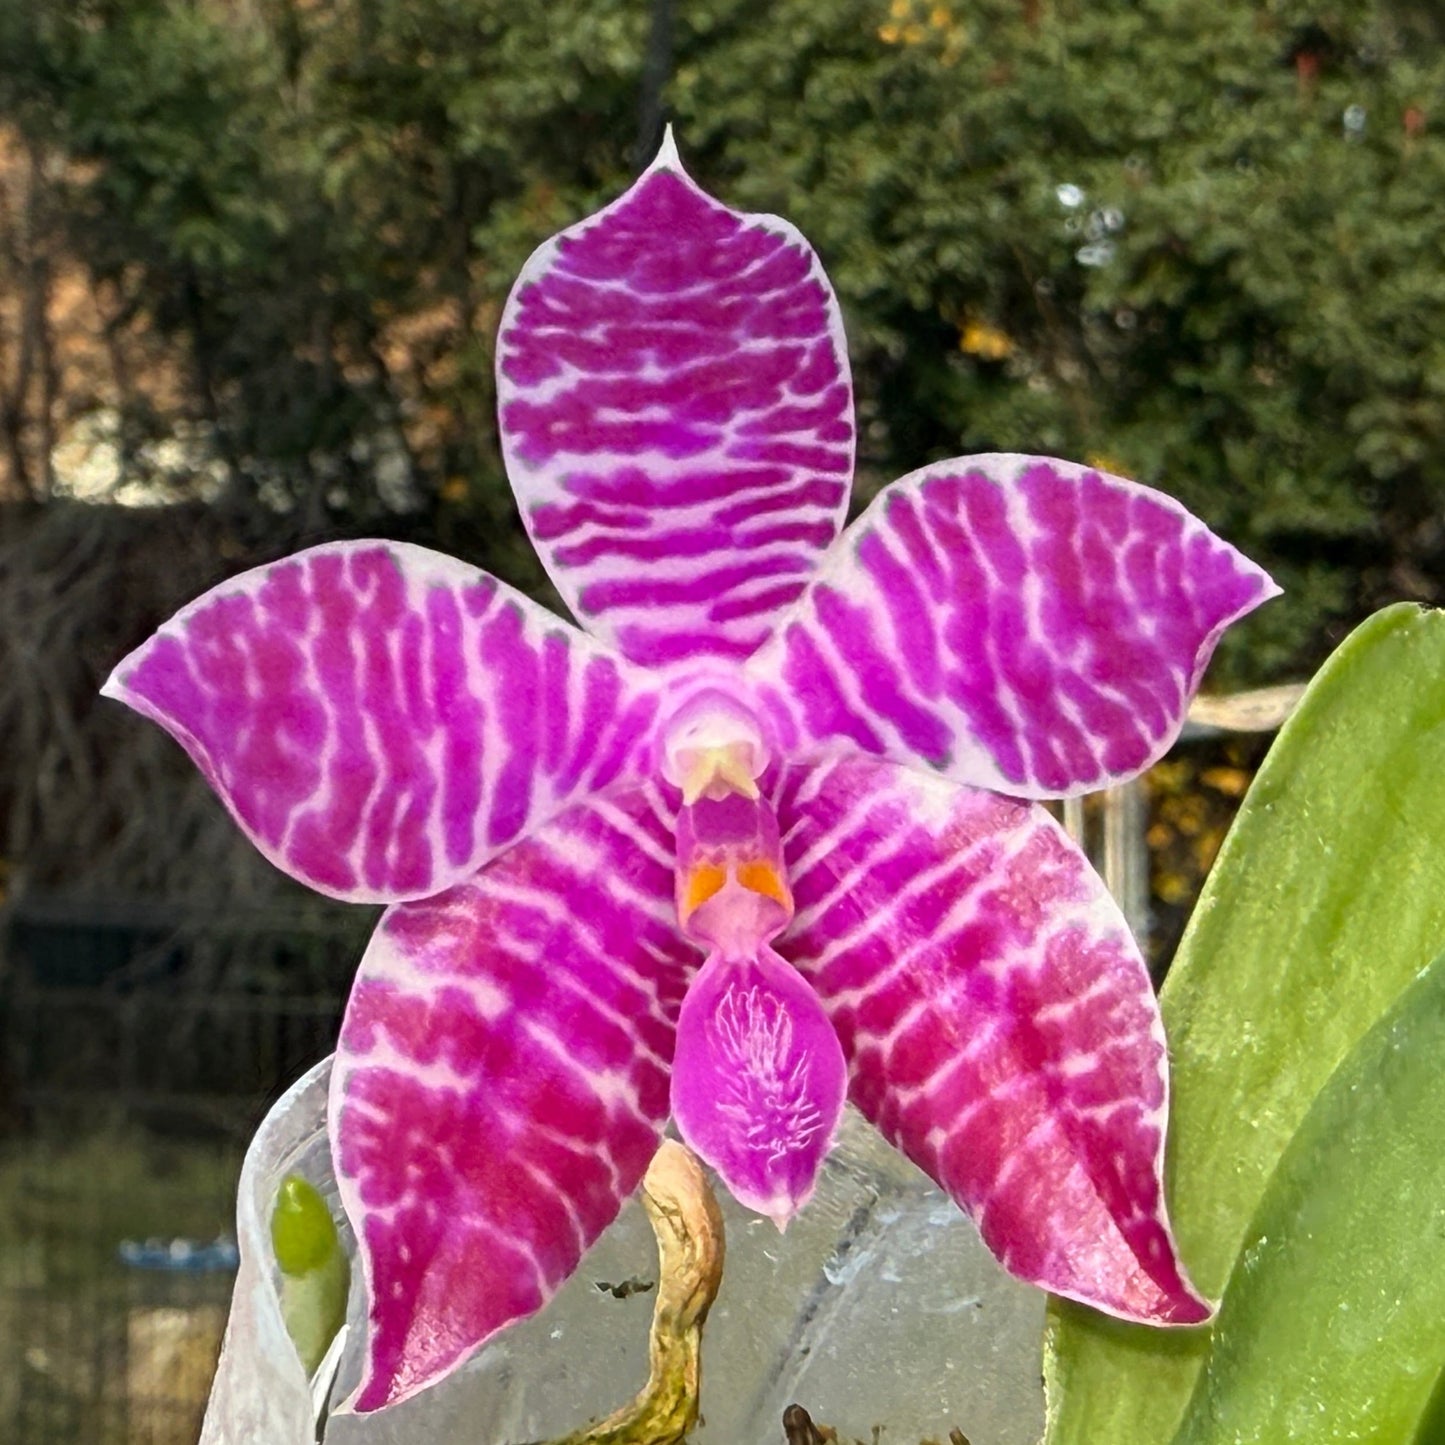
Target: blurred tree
1196 242
1199 243
308 201
28 373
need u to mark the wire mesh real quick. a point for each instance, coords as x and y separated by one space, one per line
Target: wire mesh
140 1047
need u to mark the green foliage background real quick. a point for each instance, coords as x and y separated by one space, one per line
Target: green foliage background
316 207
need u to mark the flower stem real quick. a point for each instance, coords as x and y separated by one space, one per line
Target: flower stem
685 1218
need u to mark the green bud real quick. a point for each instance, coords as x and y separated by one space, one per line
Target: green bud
302 1234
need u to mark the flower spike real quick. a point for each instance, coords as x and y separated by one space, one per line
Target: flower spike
677 417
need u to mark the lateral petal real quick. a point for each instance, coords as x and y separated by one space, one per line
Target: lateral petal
998 1020
677 417
380 718
759 1082
502 1080
1016 623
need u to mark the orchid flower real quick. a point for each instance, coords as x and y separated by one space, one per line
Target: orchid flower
763 836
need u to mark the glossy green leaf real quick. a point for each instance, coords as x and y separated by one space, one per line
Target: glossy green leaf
1333 1321
1431 1429
315 1274
1326 900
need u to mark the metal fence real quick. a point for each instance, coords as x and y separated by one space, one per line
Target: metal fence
1114 833
139 1047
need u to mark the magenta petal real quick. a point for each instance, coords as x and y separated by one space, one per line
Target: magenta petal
380 719
1014 622
677 417
998 1020
501 1081
759 1081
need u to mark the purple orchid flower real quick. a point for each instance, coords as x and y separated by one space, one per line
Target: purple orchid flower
760 838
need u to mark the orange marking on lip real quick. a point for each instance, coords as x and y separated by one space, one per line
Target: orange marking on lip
760 877
702 882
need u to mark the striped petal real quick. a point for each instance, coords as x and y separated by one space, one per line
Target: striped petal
677 417
760 1081
380 719
1017 623
998 1020
501 1082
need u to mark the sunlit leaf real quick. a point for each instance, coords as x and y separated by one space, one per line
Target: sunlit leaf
1327 899
1332 1326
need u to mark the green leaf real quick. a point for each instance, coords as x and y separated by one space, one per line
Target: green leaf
1326 900
1333 1322
1431 1429
315 1275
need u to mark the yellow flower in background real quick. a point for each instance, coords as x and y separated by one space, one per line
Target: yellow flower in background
979 338
1107 462
912 23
